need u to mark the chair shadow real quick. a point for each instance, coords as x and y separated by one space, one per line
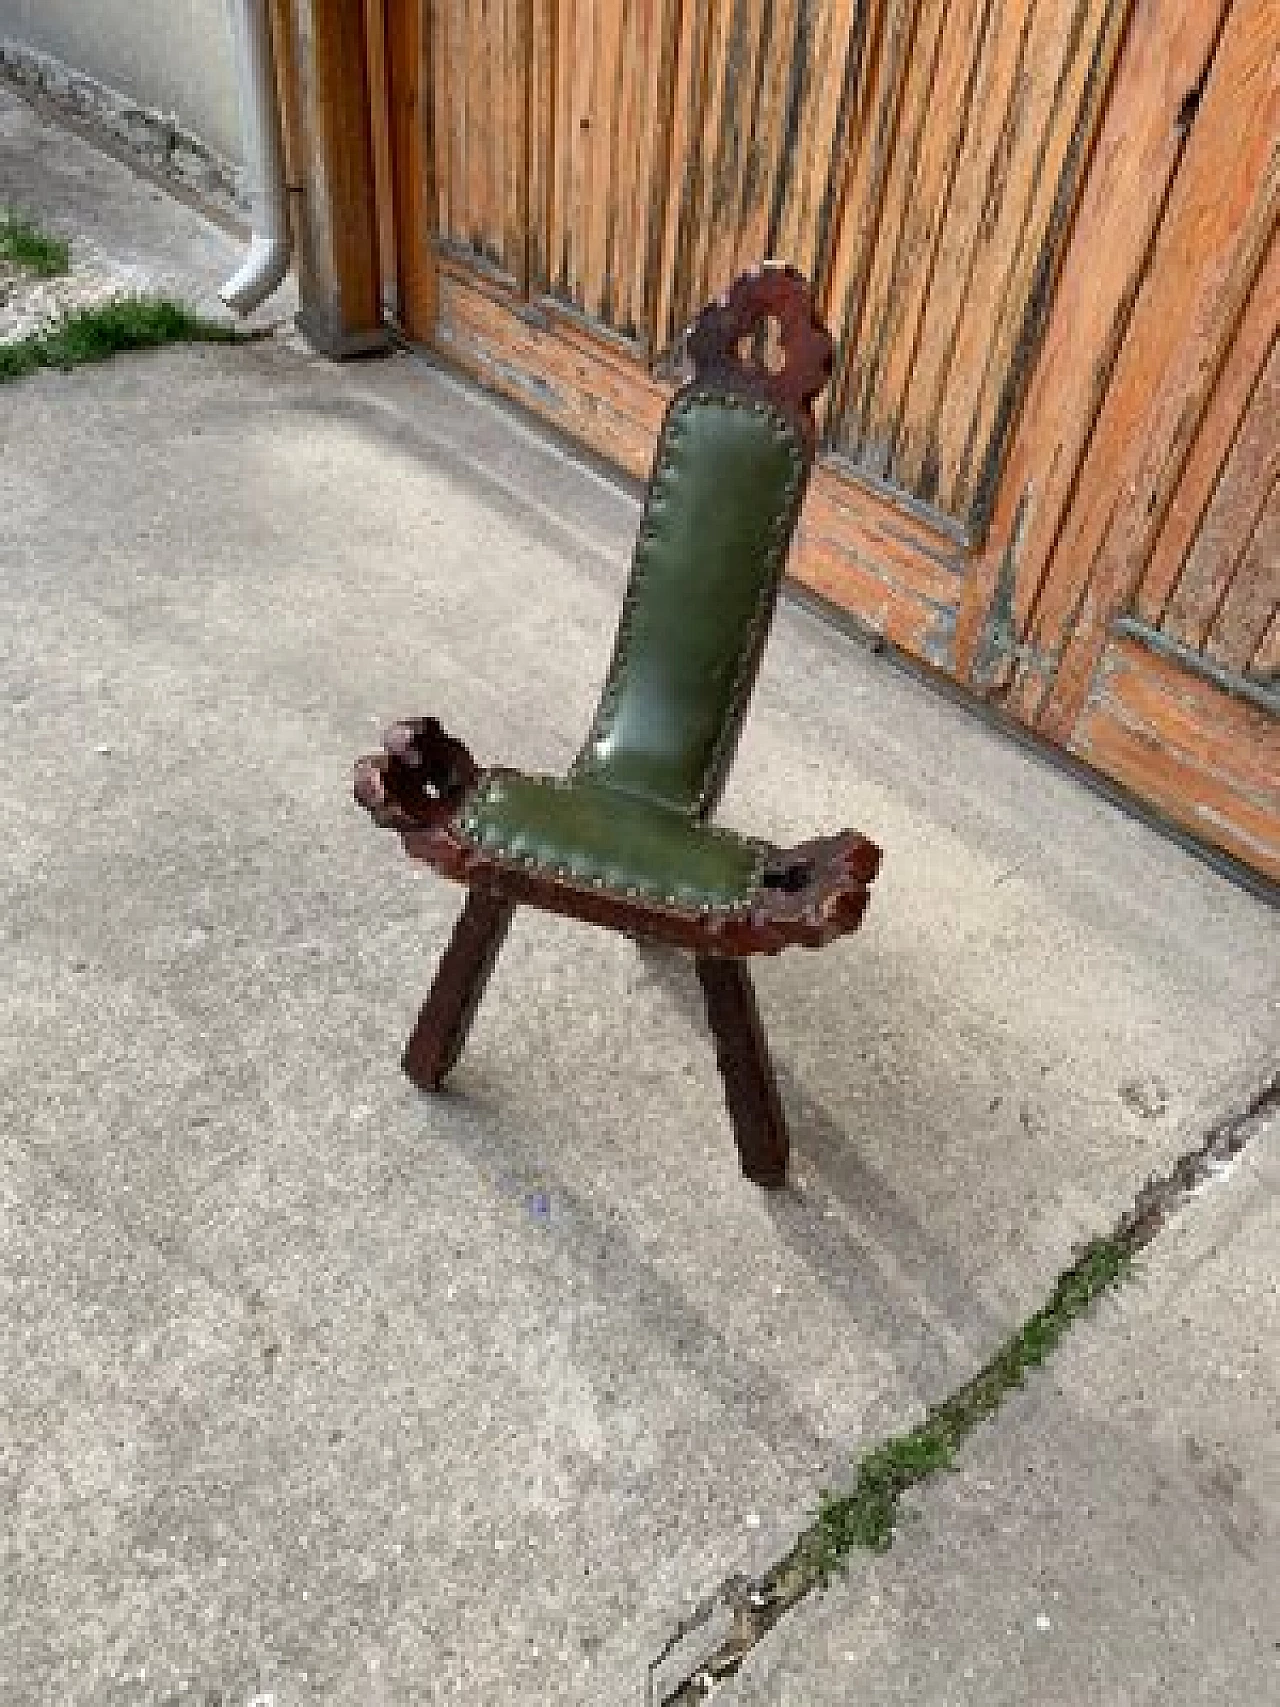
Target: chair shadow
862 1239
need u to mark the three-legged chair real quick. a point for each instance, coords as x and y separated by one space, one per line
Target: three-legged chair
625 840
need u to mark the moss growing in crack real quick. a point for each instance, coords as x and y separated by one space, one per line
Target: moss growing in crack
866 1516
25 245
95 334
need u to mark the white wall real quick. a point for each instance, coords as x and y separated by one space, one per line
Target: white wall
170 54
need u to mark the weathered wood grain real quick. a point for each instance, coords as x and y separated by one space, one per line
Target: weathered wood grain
1209 761
1250 350
1207 255
1265 663
1137 153
1216 560
1020 247
1253 596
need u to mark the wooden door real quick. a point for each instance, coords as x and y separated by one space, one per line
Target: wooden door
1043 232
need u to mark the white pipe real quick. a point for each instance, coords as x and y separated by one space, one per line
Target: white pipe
267 261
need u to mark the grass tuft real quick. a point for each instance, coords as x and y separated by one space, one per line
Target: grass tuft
95 334
867 1516
35 251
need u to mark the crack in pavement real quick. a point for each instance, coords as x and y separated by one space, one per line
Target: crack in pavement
728 1623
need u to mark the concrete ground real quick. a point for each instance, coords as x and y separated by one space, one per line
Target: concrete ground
313 1390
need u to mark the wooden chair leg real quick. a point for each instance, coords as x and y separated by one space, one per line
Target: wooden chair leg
465 967
742 1052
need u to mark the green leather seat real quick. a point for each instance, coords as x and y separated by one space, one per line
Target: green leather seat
597 834
704 580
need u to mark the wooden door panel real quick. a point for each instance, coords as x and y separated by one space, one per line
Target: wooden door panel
1204 757
481 55
1219 565
1207 262
605 77
762 105
963 175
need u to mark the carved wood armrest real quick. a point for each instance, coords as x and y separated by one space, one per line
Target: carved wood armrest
420 778
805 895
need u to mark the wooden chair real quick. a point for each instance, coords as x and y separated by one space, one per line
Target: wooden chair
625 839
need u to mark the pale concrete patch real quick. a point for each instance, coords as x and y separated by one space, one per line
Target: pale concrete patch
1113 1537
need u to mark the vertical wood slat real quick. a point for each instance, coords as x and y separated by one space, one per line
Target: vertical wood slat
805 209
482 57
1014 271
765 147
607 46
918 457
880 404
731 140
444 87
1252 599
874 103
658 164
375 24
1250 471
560 222
411 190
622 231
1136 156
339 272
1251 348
702 210
968 127
606 68
541 142
1265 663
687 97
760 104
1207 256
478 128
578 71
886 284
517 69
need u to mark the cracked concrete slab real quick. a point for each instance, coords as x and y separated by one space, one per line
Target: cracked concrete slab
319 1388
1112 1536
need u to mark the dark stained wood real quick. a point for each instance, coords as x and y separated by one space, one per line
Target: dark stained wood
742 1054
466 966
717 342
808 894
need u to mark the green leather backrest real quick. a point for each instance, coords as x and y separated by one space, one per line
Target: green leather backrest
723 498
